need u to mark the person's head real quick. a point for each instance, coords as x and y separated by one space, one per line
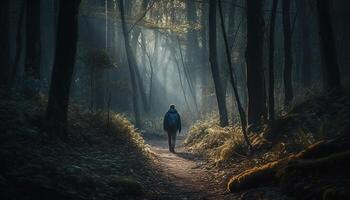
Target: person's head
172 106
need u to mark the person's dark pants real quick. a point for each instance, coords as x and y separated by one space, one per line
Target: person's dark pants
172 140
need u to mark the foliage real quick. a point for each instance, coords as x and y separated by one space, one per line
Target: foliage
216 143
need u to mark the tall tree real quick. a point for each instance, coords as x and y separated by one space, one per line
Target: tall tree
33 44
241 111
191 49
19 39
129 56
5 43
254 53
329 51
288 60
271 102
306 56
66 45
136 33
220 95
192 38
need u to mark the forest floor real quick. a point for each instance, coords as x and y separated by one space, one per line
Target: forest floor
193 178
100 163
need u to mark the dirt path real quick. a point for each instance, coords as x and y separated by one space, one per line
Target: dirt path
190 179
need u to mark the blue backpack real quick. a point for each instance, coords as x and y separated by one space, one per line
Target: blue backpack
172 121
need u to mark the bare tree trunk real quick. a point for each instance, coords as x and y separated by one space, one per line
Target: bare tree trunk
329 50
139 81
131 65
191 57
288 60
272 61
67 36
306 43
181 82
254 52
143 46
19 48
134 42
188 77
220 95
5 43
33 44
242 114
205 76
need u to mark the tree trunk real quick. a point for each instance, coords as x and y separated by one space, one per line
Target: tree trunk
231 24
192 44
33 44
131 65
329 51
188 77
254 53
271 62
5 43
288 87
220 95
306 44
19 48
317 160
139 81
67 36
192 39
242 114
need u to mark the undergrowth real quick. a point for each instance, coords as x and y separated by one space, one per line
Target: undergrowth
214 142
101 159
314 119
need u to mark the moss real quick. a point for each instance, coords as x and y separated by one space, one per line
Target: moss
256 176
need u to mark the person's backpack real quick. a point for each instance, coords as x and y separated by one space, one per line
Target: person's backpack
172 121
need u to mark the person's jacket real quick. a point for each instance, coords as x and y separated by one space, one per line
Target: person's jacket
171 113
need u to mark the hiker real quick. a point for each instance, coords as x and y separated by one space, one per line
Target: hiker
172 124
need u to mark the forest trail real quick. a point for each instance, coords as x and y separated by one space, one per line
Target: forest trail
186 172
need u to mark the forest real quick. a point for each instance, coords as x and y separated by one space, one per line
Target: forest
258 92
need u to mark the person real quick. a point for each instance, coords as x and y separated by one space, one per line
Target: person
172 124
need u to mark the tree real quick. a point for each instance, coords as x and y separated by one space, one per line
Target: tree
19 49
33 44
136 33
4 43
271 102
288 61
306 43
129 56
255 75
232 80
220 95
66 45
329 52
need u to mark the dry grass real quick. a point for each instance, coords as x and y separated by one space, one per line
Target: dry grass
214 142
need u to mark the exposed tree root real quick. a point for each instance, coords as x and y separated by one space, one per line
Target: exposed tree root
309 173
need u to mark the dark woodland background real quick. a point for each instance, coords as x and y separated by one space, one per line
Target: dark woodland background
261 85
